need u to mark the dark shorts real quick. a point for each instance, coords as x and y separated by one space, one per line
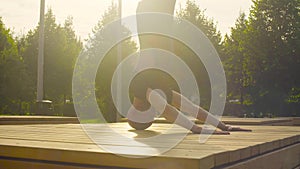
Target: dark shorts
164 6
153 79
154 40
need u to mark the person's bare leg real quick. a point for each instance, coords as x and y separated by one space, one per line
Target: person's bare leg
173 115
185 105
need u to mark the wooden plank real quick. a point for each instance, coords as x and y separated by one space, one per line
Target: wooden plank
156 129
64 135
38 122
159 127
125 150
241 121
257 121
188 141
286 158
234 155
26 164
81 154
222 158
228 120
21 120
42 141
189 144
296 121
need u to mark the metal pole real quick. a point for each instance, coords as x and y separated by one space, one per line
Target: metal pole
119 58
40 71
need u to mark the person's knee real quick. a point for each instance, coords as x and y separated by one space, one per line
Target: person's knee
156 100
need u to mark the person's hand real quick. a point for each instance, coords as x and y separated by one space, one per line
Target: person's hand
200 130
217 132
235 128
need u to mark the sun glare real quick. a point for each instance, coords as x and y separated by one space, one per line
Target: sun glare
22 16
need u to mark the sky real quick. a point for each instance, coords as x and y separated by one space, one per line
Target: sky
22 15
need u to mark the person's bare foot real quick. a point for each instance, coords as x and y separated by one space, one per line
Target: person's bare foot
199 130
235 128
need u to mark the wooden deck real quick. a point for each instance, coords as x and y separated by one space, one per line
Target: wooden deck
278 121
67 146
5 120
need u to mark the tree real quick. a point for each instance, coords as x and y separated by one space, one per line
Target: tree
94 47
61 50
13 82
262 56
196 16
274 45
235 60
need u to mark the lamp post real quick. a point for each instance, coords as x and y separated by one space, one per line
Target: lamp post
40 64
40 71
43 107
119 59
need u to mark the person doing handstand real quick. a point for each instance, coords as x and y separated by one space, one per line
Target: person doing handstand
153 91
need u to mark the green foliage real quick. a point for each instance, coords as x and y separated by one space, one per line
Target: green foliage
235 60
262 58
196 16
294 96
18 65
61 50
13 84
98 40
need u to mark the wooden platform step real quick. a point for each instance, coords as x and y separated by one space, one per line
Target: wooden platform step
13 120
69 146
281 121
